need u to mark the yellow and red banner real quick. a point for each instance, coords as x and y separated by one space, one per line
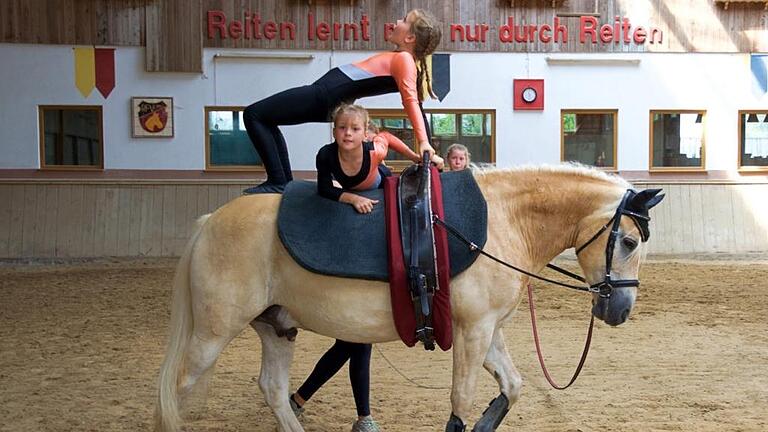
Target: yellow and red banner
94 67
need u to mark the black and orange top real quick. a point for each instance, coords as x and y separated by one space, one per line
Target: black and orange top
368 177
401 68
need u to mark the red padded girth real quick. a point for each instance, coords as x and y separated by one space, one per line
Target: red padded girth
402 305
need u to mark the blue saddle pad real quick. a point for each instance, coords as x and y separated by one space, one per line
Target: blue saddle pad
331 238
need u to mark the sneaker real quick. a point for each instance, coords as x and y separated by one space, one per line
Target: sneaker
366 424
265 187
297 410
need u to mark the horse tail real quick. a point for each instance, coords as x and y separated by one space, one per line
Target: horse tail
167 417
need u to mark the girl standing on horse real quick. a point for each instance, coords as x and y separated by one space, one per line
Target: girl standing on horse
416 36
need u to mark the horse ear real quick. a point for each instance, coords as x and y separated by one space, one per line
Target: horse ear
647 198
655 200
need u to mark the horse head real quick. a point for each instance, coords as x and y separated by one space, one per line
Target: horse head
609 246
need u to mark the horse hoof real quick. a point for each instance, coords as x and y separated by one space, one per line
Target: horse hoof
455 424
493 415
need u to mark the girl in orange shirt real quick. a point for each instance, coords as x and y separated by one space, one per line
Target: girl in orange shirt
416 36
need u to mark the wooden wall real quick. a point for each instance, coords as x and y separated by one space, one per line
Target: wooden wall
73 22
77 219
175 31
706 218
97 219
174 43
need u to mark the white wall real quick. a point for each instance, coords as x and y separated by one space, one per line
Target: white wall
722 84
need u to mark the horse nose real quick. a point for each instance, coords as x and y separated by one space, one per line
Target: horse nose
624 315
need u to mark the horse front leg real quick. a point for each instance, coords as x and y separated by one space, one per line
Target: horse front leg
276 359
499 365
470 345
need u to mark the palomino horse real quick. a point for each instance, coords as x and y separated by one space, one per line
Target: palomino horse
235 267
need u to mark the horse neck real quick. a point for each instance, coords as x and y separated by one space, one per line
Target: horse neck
537 214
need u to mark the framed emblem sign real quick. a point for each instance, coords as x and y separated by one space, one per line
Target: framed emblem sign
152 117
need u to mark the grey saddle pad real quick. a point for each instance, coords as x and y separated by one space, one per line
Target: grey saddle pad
331 238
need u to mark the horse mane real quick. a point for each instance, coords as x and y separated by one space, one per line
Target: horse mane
572 168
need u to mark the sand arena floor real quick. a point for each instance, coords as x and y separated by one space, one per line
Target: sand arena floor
81 344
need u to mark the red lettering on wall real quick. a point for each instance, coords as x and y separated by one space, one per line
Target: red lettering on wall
639 35
364 28
625 26
561 31
505 31
235 29
288 27
606 33
457 32
590 30
544 33
323 31
532 32
216 21
270 30
479 32
350 28
588 26
256 20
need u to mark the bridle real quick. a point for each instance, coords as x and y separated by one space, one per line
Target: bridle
603 288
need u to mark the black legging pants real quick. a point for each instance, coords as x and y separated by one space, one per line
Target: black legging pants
359 356
305 104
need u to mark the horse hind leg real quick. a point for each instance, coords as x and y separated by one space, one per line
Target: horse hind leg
276 359
201 357
498 363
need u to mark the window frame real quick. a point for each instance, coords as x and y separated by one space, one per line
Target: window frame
41 131
207 149
398 165
615 112
703 166
741 167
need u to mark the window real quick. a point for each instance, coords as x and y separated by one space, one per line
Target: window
471 127
753 140
589 137
677 140
71 137
227 146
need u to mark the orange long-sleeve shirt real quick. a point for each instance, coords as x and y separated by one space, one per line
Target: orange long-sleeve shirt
401 67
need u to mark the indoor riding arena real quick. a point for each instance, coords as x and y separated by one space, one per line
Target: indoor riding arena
125 121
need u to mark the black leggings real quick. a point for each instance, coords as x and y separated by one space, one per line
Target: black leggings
359 356
305 104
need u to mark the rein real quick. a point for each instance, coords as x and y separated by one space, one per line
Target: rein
474 247
541 356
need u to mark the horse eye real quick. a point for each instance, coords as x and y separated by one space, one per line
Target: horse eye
629 243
